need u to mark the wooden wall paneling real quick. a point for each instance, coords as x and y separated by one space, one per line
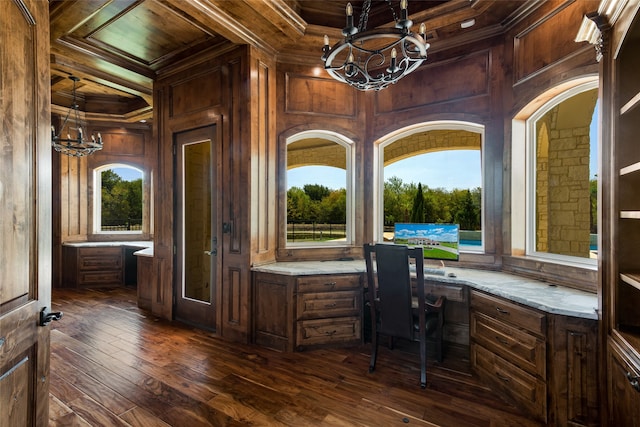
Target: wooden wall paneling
330 98
550 39
263 158
470 74
544 53
163 247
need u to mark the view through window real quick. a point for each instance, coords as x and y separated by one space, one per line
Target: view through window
318 191
564 187
120 199
435 176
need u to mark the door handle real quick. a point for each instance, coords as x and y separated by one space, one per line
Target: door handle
46 316
213 252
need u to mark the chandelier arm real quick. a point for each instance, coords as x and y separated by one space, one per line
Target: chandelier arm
75 147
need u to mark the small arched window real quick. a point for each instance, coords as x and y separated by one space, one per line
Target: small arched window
319 208
118 199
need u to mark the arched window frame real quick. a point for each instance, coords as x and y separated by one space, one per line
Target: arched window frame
403 133
348 144
97 198
523 166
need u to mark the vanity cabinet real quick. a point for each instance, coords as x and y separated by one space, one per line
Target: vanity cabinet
544 363
87 266
295 312
508 350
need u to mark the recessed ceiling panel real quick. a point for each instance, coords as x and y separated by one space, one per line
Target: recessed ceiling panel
149 32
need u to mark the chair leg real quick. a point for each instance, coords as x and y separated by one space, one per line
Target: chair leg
423 362
374 351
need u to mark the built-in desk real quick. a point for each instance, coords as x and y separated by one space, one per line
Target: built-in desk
532 293
533 341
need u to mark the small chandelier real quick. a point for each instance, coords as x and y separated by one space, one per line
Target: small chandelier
375 59
76 147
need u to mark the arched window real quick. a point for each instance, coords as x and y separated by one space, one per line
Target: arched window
554 176
319 208
118 199
444 160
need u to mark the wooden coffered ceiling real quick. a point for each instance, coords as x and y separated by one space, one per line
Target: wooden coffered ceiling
118 47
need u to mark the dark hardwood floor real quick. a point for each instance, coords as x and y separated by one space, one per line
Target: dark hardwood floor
113 364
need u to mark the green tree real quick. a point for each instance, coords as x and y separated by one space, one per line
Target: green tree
333 208
465 214
298 205
396 204
316 192
417 209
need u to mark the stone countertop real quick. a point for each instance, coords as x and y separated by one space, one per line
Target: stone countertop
537 294
142 244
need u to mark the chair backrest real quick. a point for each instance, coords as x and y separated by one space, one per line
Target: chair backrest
389 281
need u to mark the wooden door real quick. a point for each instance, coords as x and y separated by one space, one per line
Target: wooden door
197 237
25 212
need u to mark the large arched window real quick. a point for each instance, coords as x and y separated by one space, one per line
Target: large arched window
555 176
319 189
444 160
118 199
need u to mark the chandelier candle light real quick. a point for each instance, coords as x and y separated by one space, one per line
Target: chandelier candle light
76 147
374 59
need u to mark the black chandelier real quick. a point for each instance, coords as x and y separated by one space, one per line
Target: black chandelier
76 147
375 59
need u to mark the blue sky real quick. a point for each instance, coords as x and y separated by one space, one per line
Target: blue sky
128 174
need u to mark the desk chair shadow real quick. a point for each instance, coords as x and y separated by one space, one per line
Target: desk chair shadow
395 311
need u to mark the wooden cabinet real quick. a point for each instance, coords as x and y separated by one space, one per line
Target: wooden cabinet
92 266
620 276
624 387
292 313
545 363
328 310
508 350
144 281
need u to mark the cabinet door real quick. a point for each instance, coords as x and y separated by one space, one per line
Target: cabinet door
624 389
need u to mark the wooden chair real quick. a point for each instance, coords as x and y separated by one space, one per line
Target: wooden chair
395 312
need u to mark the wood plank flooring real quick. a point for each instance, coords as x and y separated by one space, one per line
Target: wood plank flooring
113 364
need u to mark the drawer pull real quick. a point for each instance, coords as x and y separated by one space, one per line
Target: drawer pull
503 378
501 310
633 380
332 284
502 340
332 305
330 333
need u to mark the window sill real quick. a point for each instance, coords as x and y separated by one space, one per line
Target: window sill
574 275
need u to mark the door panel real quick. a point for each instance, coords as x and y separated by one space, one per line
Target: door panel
197 254
25 212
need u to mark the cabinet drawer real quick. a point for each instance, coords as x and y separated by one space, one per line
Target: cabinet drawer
509 312
328 283
107 262
451 292
89 278
328 331
328 304
100 251
524 388
514 345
